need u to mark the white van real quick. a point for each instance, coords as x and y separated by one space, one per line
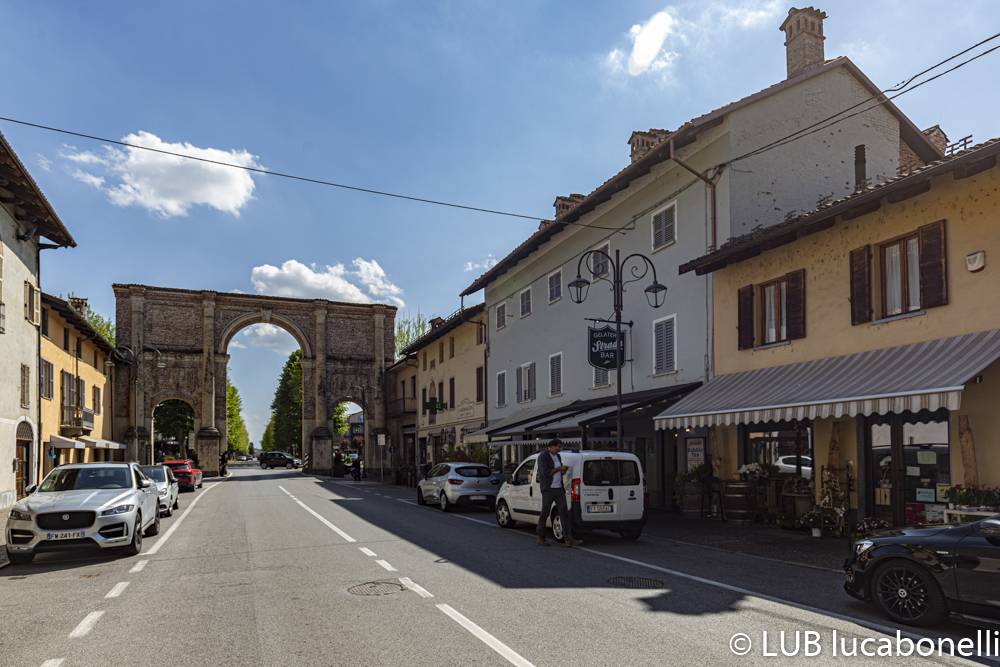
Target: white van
605 490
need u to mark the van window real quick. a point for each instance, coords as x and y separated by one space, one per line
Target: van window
473 471
610 473
524 472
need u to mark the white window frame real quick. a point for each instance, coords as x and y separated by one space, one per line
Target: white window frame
525 395
501 321
593 381
520 301
560 392
548 286
606 247
652 227
501 396
655 322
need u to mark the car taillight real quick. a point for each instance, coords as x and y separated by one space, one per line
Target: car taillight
456 481
574 490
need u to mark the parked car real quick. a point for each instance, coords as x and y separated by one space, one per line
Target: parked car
188 477
167 487
242 457
77 505
786 464
605 490
454 484
279 460
921 576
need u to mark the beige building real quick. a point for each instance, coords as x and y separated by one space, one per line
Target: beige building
401 416
450 387
75 387
864 336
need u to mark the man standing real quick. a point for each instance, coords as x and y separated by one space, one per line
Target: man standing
550 470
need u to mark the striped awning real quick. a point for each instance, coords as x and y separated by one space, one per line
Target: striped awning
920 376
61 442
100 443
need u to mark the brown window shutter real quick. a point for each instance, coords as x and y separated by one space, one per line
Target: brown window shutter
933 270
744 305
861 285
795 303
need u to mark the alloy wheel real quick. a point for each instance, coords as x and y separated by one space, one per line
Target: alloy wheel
902 593
557 527
503 514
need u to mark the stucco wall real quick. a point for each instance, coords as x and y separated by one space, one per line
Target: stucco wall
468 357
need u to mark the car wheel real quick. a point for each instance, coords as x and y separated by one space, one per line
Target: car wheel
201 483
167 512
420 497
135 546
631 534
443 502
177 503
557 527
154 528
907 593
504 519
21 559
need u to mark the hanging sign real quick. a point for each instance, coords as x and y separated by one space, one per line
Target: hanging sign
602 352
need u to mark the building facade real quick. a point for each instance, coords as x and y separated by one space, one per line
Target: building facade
684 192
401 417
864 336
74 381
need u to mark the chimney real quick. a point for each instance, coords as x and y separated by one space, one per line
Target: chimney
860 168
642 142
564 203
436 322
803 30
79 304
937 137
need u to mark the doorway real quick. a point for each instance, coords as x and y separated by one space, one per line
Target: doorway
23 438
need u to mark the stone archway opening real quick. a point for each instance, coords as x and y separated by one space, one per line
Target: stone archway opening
173 430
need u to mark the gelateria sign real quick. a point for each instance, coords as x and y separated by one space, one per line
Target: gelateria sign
602 352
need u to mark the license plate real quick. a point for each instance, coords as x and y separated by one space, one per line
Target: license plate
68 535
477 497
601 508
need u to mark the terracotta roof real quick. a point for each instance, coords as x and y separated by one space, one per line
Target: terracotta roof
967 162
686 134
76 319
460 316
15 178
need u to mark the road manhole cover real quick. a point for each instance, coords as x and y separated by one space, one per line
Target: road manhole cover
635 582
375 588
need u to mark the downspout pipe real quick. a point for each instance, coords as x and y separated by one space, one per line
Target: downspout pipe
710 185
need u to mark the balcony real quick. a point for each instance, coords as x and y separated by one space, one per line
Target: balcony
76 420
401 406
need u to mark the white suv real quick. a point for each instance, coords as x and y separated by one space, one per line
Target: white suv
605 490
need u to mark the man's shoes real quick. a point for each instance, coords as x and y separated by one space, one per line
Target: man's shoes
541 542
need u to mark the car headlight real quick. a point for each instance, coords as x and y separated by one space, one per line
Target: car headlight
18 515
121 509
163 493
862 546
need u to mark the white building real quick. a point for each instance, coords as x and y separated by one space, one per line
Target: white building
25 217
683 191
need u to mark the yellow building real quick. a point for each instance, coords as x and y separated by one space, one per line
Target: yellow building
863 338
75 388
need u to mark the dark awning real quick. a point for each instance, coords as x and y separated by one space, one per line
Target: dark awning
919 376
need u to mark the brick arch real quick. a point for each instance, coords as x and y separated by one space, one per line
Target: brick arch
239 323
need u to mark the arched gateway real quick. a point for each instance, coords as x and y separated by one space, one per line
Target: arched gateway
172 344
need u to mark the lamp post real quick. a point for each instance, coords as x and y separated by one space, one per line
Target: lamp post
638 266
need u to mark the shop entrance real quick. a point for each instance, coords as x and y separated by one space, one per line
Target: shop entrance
909 464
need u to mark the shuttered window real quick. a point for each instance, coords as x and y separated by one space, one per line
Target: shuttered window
555 374
744 315
861 285
602 377
782 308
32 303
664 226
795 300
599 264
526 302
501 389
664 345
423 400
555 286
480 384
451 347
451 393
501 316
96 400
525 383
933 265
25 386
45 379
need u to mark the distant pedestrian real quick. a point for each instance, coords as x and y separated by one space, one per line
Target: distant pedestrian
222 464
550 479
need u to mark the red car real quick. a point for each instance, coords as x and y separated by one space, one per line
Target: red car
188 477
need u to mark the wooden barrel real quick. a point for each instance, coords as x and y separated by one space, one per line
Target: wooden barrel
740 500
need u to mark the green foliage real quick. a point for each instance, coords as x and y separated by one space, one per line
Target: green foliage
102 325
267 440
338 420
236 429
173 419
286 408
409 329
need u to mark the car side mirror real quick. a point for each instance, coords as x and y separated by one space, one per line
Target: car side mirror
990 529
146 483
30 489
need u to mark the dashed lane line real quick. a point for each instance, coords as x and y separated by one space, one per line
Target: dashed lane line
505 651
386 565
86 625
366 551
53 662
117 590
415 587
177 524
322 519
138 567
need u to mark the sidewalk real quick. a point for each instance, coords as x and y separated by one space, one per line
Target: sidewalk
755 539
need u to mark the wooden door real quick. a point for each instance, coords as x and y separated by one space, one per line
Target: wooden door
21 448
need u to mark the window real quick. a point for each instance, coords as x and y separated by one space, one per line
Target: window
602 377
81 393
501 316
599 264
45 379
440 394
441 351
45 322
480 384
66 339
900 269
402 389
526 383
96 400
32 303
526 302
665 345
25 386
555 286
664 226
774 310
413 386
523 474
95 360
610 473
501 389
423 400
451 392
555 374
451 347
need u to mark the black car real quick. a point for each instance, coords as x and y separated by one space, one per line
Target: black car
921 576
279 460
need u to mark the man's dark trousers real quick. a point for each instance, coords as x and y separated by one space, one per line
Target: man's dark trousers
557 496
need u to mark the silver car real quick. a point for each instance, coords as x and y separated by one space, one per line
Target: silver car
107 504
167 488
452 484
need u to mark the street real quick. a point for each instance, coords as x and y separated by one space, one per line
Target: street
259 568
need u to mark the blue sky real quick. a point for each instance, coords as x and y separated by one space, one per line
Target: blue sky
502 105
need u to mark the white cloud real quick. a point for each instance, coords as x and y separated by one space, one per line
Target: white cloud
647 44
167 184
484 265
93 180
237 345
746 15
44 163
366 283
266 336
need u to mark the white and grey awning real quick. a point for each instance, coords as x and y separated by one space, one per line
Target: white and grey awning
61 442
920 376
100 443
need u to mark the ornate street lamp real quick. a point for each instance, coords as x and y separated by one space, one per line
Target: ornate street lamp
599 264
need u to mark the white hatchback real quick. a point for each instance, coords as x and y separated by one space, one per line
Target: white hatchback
606 491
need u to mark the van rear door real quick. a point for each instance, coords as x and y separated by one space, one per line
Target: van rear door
611 489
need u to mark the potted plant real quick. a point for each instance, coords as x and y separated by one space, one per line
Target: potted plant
815 520
870 525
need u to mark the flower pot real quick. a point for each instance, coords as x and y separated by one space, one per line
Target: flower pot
817 532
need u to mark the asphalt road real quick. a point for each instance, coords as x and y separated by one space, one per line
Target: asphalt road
263 568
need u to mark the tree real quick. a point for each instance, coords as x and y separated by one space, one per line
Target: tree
236 429
408 330
338 420
267 440
286 408
173 419
102 325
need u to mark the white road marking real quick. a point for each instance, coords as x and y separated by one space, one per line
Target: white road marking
366 551
138 567
177 524
319 516
86 625
386 565
408 502
416 588
507 652
117 590
53 662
